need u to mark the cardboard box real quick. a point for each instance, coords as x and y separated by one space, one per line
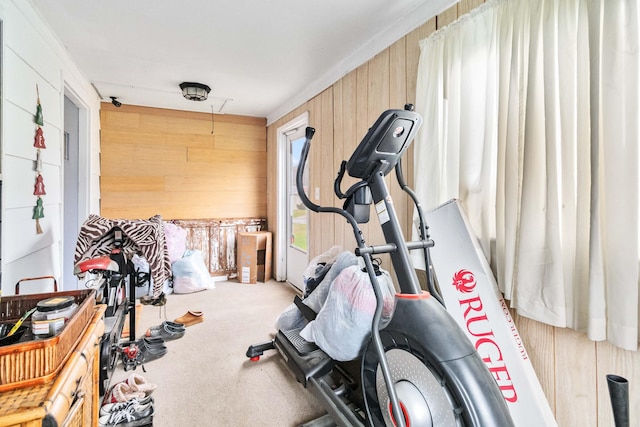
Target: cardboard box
254 256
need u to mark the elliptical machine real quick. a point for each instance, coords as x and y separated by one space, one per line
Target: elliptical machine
420 369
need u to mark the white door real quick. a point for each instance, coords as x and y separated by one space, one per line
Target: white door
292 250
298 214
71 192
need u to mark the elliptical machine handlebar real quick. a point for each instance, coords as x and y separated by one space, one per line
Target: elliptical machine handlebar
309 132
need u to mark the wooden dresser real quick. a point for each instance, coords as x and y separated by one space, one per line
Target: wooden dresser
71 398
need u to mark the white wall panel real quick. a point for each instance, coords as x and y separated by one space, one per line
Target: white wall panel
19 235
21 128
32 55
19 181
21 90
29 41
95 201
43 262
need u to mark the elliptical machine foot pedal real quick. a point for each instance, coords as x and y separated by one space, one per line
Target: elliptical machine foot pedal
304 358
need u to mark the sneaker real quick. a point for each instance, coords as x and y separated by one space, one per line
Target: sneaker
116 407
133 415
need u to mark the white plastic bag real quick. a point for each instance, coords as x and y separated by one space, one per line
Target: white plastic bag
190 274
292 318
176 239
344 323
141 265
317 266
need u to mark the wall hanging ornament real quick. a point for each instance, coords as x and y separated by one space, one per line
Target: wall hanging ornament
38 142
39 117
39 187
38 212
38 162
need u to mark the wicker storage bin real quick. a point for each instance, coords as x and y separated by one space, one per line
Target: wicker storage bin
35 361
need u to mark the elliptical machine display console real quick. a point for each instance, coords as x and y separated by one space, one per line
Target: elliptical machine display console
419 368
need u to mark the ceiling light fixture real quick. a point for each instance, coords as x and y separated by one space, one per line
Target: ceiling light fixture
195 91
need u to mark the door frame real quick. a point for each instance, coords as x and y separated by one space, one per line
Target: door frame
84 180
282 192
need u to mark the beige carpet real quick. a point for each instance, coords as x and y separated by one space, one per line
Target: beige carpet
205 378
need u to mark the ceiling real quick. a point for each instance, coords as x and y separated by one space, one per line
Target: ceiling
260 58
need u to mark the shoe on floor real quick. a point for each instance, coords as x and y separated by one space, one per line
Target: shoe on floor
157 301
151 342
169 324
134 387
139 384
190 318
166 332
152 353
115 407
134 415
122 392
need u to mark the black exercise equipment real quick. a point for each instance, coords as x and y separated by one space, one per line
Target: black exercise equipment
420 369
112 271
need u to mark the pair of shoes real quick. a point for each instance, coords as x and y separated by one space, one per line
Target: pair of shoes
121 392
154 343
133 415
139 384
146 299
149 300
170 324
190 318
167 331
134 387
152 348
115 407
161 300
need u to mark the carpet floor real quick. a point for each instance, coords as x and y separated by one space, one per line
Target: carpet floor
205 378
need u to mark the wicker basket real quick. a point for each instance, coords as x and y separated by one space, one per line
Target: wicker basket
37 361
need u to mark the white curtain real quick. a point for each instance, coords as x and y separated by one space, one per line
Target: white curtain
531 120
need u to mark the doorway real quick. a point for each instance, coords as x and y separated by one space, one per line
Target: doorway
71 191
293 217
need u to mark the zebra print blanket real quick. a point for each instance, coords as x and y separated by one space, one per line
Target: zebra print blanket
145 237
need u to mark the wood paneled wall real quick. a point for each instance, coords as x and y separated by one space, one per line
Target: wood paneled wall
570 368
181 165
